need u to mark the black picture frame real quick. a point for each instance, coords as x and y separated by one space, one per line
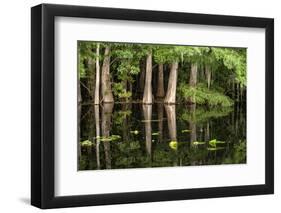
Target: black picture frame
43 102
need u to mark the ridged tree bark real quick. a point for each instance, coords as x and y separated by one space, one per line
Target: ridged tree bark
160 83
193 80
97 86
107 96
172 84
147 94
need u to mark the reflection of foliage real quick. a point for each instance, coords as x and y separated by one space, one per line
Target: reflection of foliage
202 114
120 116
204 96
239 153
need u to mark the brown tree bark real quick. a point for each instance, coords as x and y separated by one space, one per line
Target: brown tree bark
147 94
160 83
193 80
97 85
107 96
172 84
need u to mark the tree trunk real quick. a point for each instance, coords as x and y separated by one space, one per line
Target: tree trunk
208 76
106 126
97 122
147 94
107 96
193 80
147 113
160 89
172 85
171 120
97 86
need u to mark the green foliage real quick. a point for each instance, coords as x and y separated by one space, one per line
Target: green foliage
203 96
233 59
119 91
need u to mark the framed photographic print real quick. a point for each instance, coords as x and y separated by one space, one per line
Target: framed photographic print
139 106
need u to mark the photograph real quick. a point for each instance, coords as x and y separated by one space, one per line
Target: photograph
142 105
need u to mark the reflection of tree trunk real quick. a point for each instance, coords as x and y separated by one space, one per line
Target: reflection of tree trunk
106 126
207 132
160 123
160 83
79 91
79 130
147 113
147 94
172 84
208 75
97 122
171 119
125 124
97 86
193 80
107 96
192 125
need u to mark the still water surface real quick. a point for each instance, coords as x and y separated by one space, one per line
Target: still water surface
120 136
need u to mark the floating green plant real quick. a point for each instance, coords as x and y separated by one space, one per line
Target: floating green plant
109 138
135 132
198 142
173 145
214 148
185 130
155 133
86 143
214 142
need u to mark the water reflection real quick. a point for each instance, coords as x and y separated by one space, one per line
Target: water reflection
159 135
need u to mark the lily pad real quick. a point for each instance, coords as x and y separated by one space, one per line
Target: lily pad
214 148
185 130
110 138
135 132
173 145
198 142
214 142
86 143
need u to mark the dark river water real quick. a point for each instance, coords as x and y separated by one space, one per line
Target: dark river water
120 136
